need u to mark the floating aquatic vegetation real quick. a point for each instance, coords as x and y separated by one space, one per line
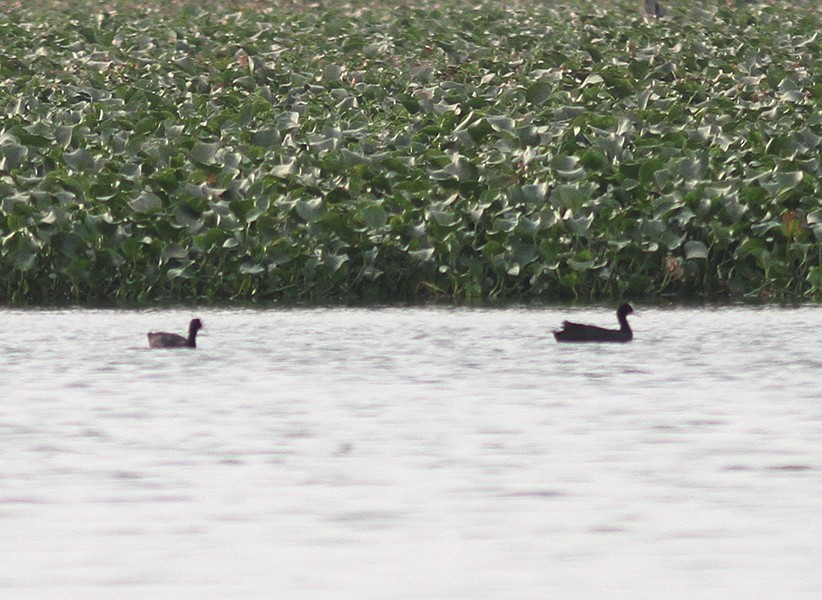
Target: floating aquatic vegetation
390 152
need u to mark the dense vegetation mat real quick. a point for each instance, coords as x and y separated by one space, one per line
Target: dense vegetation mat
390 152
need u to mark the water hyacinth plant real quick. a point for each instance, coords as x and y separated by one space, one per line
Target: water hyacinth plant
394 152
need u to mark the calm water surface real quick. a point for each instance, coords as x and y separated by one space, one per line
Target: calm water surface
411 454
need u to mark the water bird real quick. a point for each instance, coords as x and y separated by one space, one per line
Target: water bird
162 339
576 332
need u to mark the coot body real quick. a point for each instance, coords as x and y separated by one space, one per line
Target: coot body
577 332
162 339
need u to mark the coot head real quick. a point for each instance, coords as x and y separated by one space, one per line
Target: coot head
624 310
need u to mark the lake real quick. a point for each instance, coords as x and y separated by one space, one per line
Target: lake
414 453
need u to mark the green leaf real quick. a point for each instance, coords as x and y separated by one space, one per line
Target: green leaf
535 193
309 210
424 255
594 159
504 124
70 245
695 249
180 272
79 160
443 215
173 251
251 268
592 79
374 216
334 261
186 64
146 202
285 169
539 91
63 135
266 137
207 240
564 163
21 250
204 153
131 172
462 169
12 156
582 261
648 171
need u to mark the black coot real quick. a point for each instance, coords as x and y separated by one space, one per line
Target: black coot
576 332
161 339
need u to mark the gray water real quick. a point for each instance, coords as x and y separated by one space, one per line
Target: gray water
411 454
